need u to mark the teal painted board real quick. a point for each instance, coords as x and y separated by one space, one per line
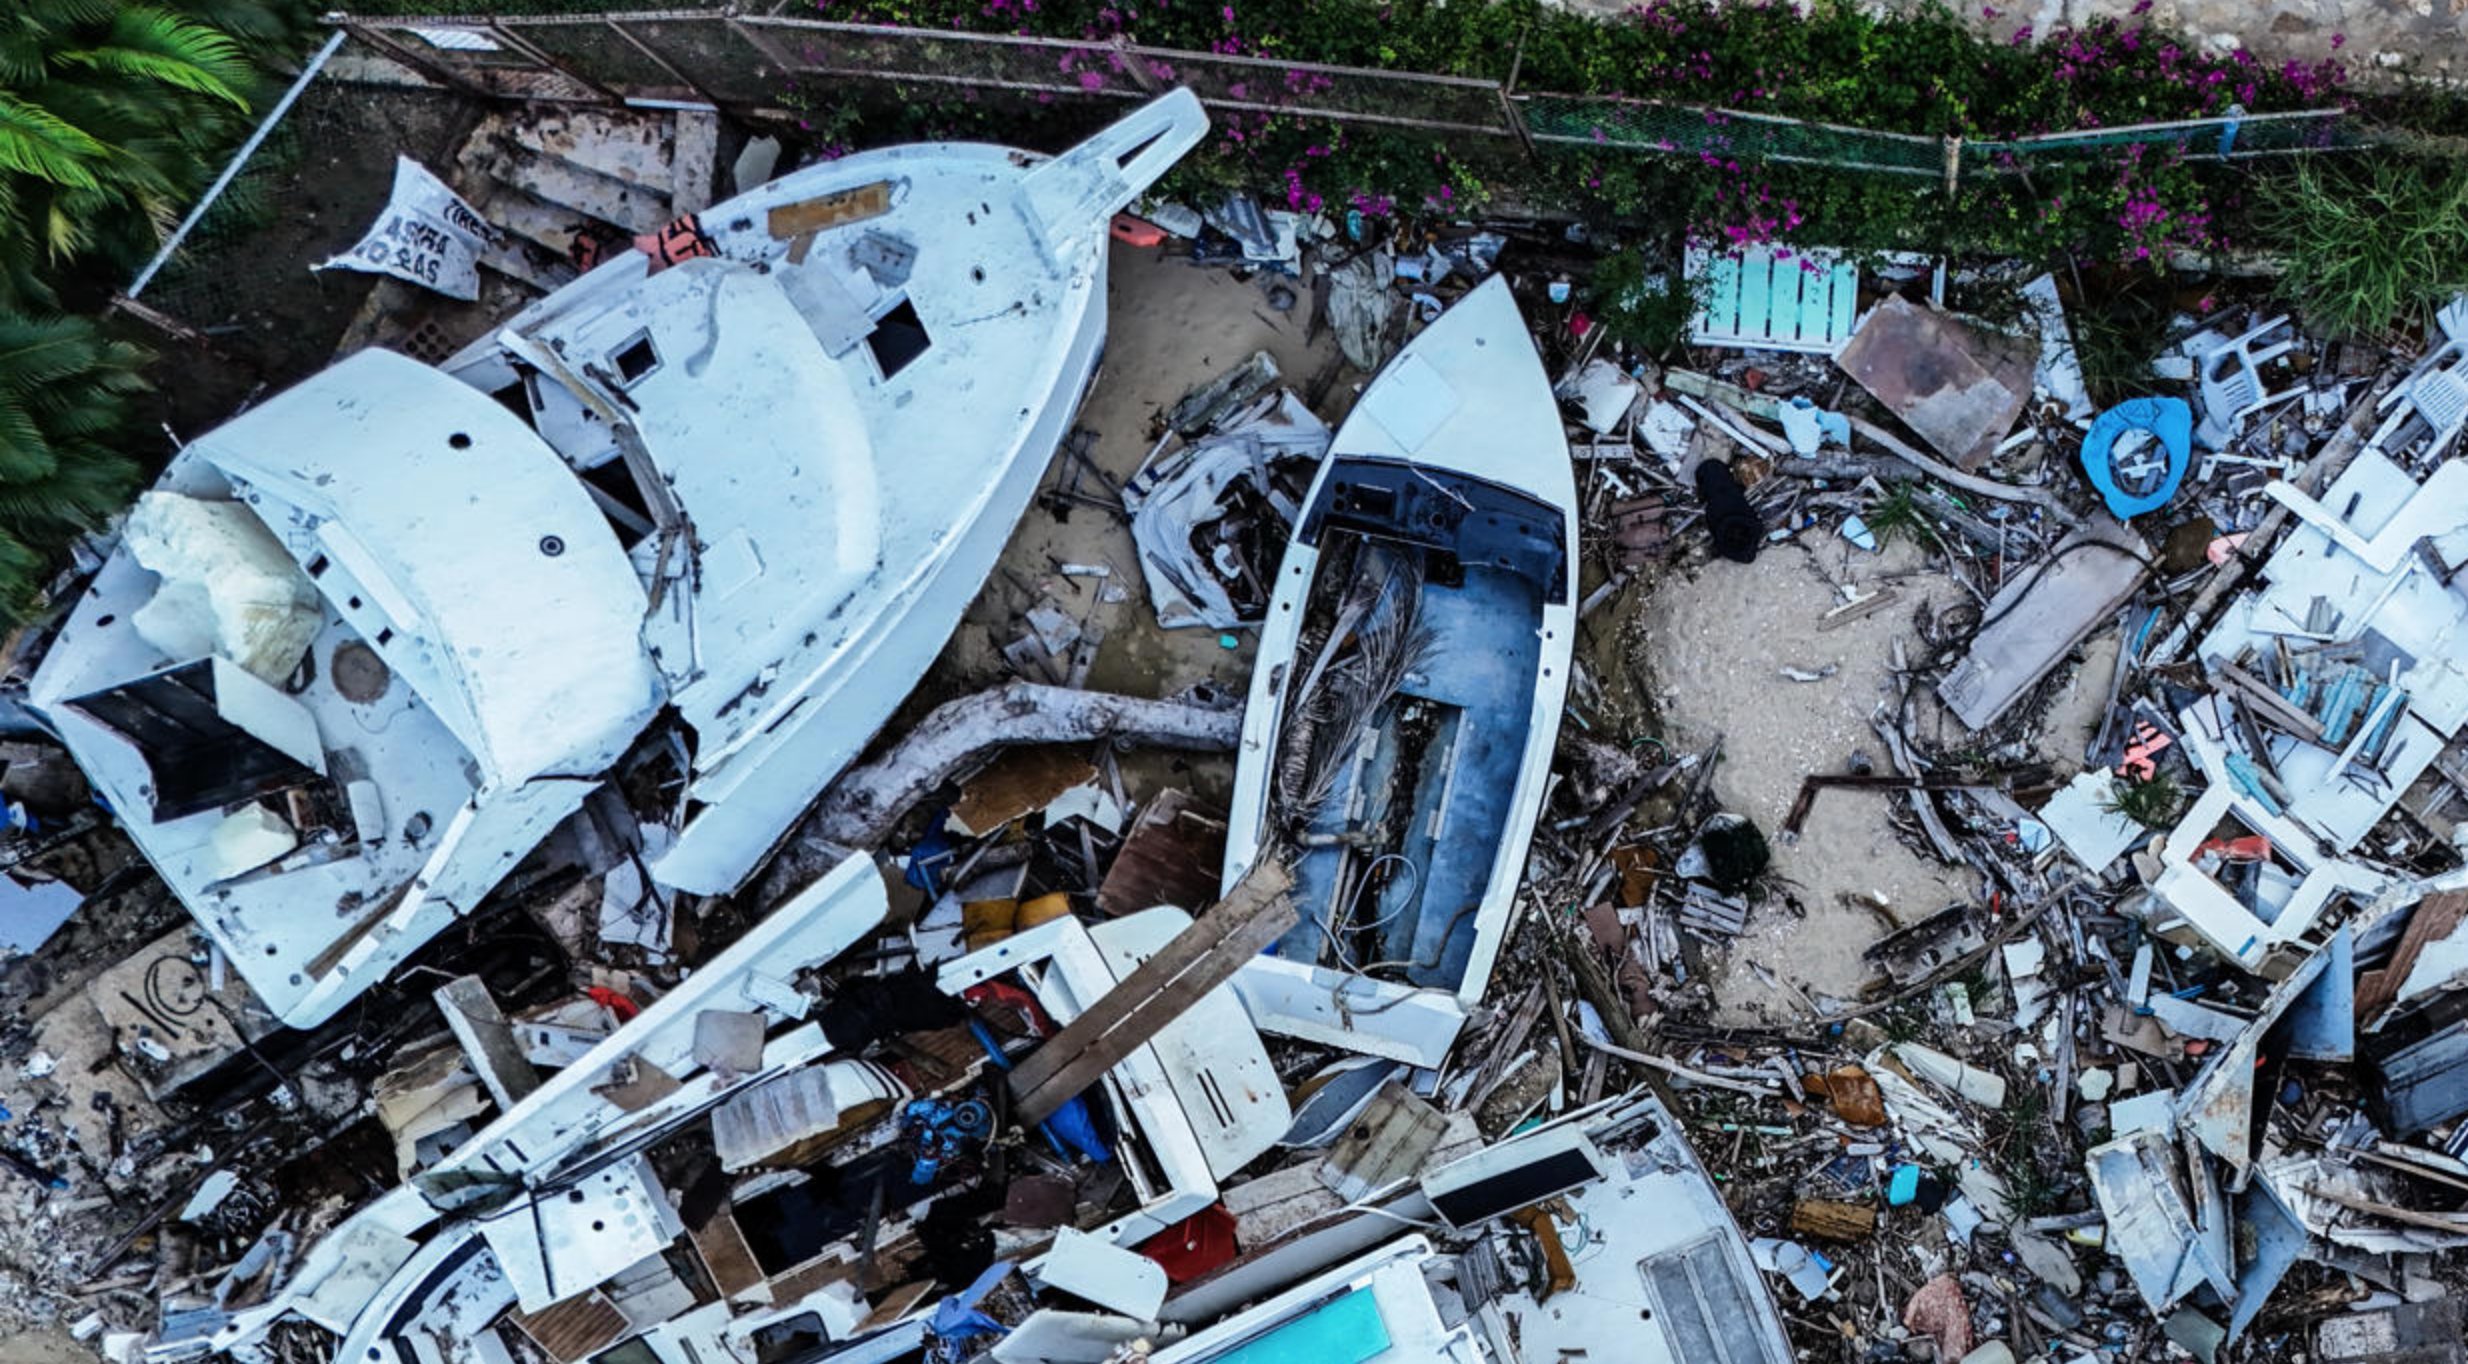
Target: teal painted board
1347 1331
1844 287
1756 286
1722 297
1782 309
1773 297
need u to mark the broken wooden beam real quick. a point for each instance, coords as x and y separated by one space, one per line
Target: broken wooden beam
2272 706
1200 958
1812 784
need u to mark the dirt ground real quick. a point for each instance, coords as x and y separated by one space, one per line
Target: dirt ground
1714 646
44 1347
1172 327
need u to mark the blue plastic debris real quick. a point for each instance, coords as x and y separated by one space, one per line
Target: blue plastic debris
2142 488
1904 1186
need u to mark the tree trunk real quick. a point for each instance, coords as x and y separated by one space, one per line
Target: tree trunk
860 809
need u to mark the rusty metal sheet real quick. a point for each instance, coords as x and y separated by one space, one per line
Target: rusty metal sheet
1960 387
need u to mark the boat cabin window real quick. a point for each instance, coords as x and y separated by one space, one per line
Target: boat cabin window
898 338
635 360
789 1338
200 753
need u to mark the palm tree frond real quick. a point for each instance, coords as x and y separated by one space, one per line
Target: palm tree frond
149 44
34 141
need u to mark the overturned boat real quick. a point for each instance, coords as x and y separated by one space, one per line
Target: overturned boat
1407 696
366 644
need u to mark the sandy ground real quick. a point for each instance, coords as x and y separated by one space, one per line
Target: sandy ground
44 1347
1713 646
1173 326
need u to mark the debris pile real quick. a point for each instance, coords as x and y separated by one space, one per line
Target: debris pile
491 929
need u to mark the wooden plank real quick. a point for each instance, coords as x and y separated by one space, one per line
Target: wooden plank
2037 619
1202 957
1756 286
1171 856
1019 782
726 1257
575 1329
2275 708
1829 1221
830 210
1866 606
1388 1143
2435 918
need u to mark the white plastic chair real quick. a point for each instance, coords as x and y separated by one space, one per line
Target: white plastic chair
2232 383
2435 392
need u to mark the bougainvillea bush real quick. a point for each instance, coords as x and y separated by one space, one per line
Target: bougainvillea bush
1927 72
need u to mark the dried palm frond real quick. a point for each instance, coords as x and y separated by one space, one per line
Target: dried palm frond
1377 642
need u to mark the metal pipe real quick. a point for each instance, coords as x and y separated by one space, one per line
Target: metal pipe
231 171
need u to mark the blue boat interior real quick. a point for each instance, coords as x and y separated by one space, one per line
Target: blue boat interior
1395 842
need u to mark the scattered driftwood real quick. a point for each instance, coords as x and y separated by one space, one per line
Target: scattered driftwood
1682 381
862 806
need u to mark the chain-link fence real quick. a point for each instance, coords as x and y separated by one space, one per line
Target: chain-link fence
240 268
748 62
1643 125
323 169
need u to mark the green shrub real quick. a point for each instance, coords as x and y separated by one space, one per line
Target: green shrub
2370 245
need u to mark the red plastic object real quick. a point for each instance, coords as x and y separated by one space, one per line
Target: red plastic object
1132 231
615 1003
2251 848
1194 1246
1004 994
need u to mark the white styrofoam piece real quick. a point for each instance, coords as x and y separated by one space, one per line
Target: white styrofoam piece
2077 815
228 588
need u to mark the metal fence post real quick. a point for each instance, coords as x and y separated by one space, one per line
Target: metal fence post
1953 163
1509 112
1135 65
231 170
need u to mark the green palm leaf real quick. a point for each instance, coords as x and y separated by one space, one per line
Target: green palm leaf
35 352
36 142
149 44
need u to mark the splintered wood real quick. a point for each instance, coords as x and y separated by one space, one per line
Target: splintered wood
837 209
1199 959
